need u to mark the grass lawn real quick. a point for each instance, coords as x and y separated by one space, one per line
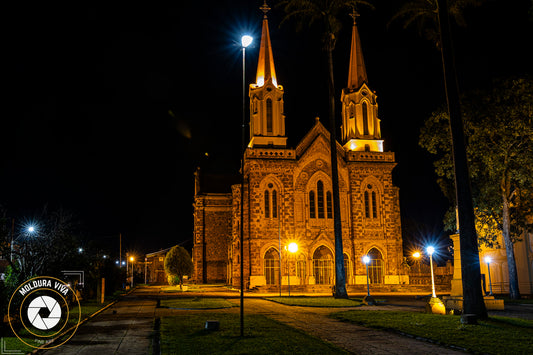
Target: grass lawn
317 301
498 335
186 335
197 303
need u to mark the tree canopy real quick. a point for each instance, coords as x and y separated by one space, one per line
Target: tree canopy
499 131
178 263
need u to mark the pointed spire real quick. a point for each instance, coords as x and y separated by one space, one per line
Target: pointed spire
265 66
357 70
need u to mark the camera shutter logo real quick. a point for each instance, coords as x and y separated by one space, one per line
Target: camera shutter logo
35 312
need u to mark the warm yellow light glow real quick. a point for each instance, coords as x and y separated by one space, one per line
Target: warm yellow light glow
353 145
361 145
416 254
260 81
131 258
293 247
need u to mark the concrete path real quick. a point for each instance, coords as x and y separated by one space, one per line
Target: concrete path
124 328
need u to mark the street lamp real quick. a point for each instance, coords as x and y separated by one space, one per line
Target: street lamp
430 251
417 256
132 260
293 248
488 260
435 305
367 299
245 42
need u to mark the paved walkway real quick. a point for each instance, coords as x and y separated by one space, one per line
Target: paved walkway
353 338
124 328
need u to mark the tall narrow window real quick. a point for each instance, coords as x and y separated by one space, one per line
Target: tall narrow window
320 198
267 204
365 119
329 205
269 115
374 205
367 205
274 204
312 209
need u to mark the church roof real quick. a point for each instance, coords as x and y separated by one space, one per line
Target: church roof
265 65
317 130
357 71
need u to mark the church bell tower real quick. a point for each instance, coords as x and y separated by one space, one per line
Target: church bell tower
360 130
267 121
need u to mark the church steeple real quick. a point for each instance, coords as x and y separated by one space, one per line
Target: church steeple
267 121
360 128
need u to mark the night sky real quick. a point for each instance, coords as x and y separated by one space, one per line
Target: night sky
109 110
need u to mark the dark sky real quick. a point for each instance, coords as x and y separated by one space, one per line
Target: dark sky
86 123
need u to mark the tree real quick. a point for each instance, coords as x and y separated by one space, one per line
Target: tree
499 127
328 15
438 11
178 263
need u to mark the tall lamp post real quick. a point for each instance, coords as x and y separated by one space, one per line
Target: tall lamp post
293 248
245 42
132 260
488 260
369 300
417 255
430 251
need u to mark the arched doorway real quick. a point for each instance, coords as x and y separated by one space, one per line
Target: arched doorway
323 266
375 266
272 267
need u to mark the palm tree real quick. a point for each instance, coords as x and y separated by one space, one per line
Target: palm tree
327 13
436 13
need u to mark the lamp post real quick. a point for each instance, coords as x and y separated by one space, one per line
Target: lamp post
132 259
430 251
369 300
488 260
293 248
245 42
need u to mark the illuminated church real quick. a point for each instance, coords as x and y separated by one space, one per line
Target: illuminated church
288 196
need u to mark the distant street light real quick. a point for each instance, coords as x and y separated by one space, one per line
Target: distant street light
293 248
367 299
488 260
132 259
430 251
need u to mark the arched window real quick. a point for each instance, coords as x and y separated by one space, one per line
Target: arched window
269 115
272 267
271 202
329 204
274 204
365 119
312 207
347 271
323 266
320 198
371 202
375 266
267 204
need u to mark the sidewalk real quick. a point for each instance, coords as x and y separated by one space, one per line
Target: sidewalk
124 328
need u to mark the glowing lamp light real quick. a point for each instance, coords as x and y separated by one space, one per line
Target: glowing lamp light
430 250
123 263
246 40
80 250
131 258
488 259
293 247
31 229
366 259
416 254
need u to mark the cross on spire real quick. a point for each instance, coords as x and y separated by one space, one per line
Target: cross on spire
265 8
354 15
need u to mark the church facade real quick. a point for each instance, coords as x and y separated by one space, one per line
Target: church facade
288 196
